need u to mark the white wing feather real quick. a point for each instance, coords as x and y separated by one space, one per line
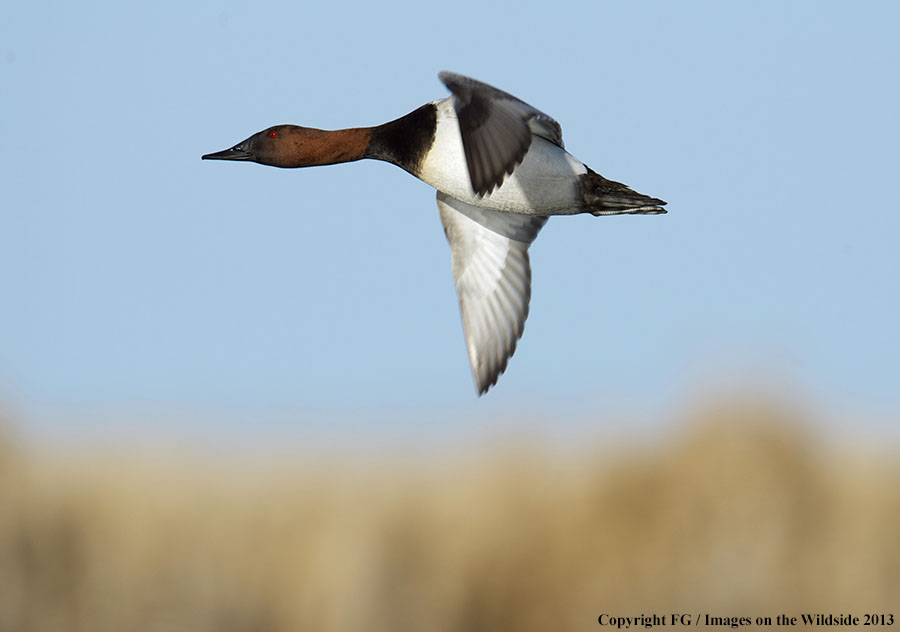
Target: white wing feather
493 279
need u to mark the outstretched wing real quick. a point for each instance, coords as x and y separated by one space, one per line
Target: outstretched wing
496 129
493 279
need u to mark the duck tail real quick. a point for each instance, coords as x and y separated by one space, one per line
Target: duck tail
607 197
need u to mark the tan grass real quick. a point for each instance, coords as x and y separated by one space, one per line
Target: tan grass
742 513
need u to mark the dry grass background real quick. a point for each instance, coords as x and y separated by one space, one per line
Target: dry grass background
740 512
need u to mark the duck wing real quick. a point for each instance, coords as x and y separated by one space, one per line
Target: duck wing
496 129
489 251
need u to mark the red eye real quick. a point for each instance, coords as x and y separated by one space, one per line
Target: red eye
273 134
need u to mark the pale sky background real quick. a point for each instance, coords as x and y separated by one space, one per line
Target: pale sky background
137 281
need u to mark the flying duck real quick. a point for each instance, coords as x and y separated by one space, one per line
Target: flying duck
500 169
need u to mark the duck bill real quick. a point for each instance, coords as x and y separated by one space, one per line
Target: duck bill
235 153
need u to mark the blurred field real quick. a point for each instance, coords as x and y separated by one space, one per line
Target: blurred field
742 511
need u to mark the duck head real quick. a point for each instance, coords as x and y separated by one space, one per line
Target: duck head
294 146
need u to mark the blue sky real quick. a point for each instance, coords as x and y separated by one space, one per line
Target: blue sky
135 277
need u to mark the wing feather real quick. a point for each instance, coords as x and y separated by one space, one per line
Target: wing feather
492 273
496 129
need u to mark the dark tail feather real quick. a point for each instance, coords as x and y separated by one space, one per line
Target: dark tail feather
607 197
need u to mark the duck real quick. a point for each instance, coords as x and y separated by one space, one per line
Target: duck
500 170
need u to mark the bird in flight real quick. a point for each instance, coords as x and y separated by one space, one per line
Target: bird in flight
500 169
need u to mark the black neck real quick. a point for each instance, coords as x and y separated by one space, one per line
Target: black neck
406 140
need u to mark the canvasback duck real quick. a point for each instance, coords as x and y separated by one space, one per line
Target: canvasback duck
500 170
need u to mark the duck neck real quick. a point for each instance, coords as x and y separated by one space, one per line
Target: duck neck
329 147
404 141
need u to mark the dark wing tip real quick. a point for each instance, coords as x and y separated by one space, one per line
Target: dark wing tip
448 77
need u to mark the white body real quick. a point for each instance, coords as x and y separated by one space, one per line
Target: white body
545 183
